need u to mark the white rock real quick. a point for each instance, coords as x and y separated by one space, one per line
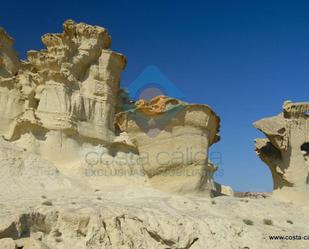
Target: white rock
7 243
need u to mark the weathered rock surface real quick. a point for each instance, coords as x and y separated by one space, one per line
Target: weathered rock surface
71 86
24 174
9 62
61 103
78 168
41 208
144 218
286 150
7 243
173 138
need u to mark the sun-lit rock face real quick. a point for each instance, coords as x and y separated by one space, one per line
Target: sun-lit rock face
65 104
10 96
173 139
286 150
9 63
60 103
71 85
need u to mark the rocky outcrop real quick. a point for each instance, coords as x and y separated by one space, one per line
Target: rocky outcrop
173 138
82 165
62 102
71 86
286 150
143 218
78 79
9 62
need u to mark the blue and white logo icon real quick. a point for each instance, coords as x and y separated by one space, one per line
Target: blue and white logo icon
149 84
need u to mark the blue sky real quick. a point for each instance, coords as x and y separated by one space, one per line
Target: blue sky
243 58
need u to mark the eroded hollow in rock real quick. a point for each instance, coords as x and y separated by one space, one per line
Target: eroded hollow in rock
286 150
305 151
305 148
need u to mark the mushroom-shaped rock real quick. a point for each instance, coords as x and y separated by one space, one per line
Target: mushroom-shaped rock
286 150
173 139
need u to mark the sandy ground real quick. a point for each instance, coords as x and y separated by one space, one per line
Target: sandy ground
42 208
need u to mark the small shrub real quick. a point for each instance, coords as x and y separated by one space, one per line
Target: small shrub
213 202
47 203
248 222
268 222
58 240
290 222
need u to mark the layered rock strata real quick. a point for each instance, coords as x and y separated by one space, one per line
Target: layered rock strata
173 139
64 104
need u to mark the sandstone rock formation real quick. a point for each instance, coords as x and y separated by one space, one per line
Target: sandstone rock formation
69 88
9 63
173 138
286 150
61 104
78 164
144 218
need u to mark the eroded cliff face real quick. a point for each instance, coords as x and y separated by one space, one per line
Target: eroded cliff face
9 63
69 86
62 102
286 150
82 74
